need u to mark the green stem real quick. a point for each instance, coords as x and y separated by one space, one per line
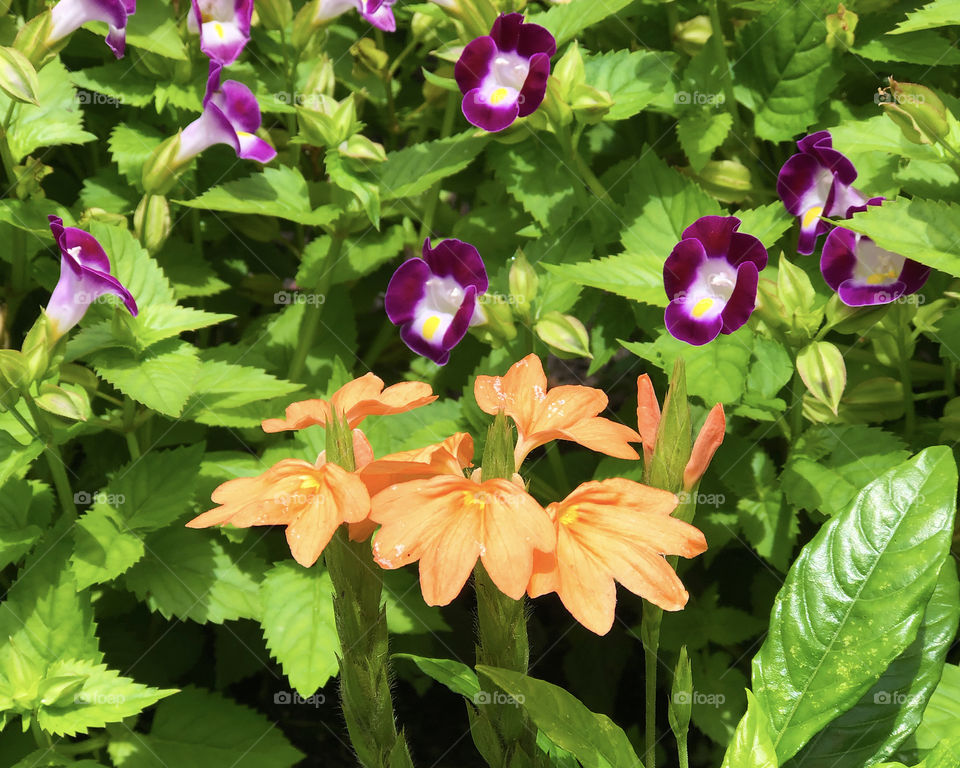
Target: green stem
129 415
83 747
797 388
312 312
716 39
682 752
58 470
650 635
906 377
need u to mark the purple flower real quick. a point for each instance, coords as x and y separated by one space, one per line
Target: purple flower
863 273
815 182
84 277
434 299
69 15
711 279
503 75
231 116
224 27
379 13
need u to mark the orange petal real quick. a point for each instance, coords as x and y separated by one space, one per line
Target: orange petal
586 588
648 415
361 531
651 577
514 524
311 531
367 387
705 446
604 436
300 415
366 397
567 405
518 393
448 562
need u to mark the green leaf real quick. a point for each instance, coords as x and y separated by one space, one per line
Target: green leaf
154 29
701 132
539 179
132 265
769 524
280 192
114 81
925 47
570 19
58 120
131 146
351 176
458 677
786 70
939 13
201 729
595 740
158 321
299 625
358 257
927 230
941 719
16 457
892 709
161 378
853 600
413 170
104 546
196 575
103 697
766 223
751 746
633 78
24 507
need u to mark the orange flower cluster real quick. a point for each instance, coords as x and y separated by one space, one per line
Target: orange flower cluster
425 509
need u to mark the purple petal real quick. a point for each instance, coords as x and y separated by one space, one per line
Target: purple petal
743 300
797 183
69 15
506 31
239 105
535 86
406 288
682 325
744 248
222 42
484 115
535 39
680 268
461 320
474 63
212 127
254 148
90 253
380 14
421 347
913 276
459 260
855 294
838 259
75 292
213 81
117 40
807 143
714 233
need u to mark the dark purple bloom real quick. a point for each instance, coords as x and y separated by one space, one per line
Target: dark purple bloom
434 299
379 13
84 277
231 116
504 75
224 27
711 279
863 273
69 15
815 182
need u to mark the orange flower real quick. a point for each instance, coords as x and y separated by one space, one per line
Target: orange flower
450 457
704 447
360 398
608 531
448 523
311 500
560 413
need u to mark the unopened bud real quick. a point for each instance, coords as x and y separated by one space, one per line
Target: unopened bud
33 40
523 284
163 167
824 373
18 78
152 223
840 28
727 180
564 333
569 71
321 79
366 53
275 14
360 147
681 696
693 34
70 404
918 111
590 104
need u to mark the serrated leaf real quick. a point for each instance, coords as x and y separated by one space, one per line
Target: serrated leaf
892 709
594 739
23 509
351 177
16 457
299 625
58 120
766 223
787 68
161 378
114 81
633 276
159 321
201 729
633 78
196 575
536 176
413 170
104 697
924 47
131 264
280 192
104 546
359 256
926 230
853 600
939 13
568 20
153 28
700 132
131 146
228 395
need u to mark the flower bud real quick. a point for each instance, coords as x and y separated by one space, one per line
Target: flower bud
727 180
162 168
564 333
275 14
13 377
797 299
367 55
554 105
32 40
304 25
824 373
152 223
70 404
569 71
840 28
681 697
422 25
918 111
693 34
523 284
360 147
340 442
498 459
590 104
322 78
18 78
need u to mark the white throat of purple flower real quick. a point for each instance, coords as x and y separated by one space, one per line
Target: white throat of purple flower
508 73
876 265
711 288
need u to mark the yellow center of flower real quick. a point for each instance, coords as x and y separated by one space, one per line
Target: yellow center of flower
309 484
471 499
430 327
811 216
218 28
702 307
498 96
878 278
570 515
245 135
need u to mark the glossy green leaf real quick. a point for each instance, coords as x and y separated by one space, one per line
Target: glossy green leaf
751 746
